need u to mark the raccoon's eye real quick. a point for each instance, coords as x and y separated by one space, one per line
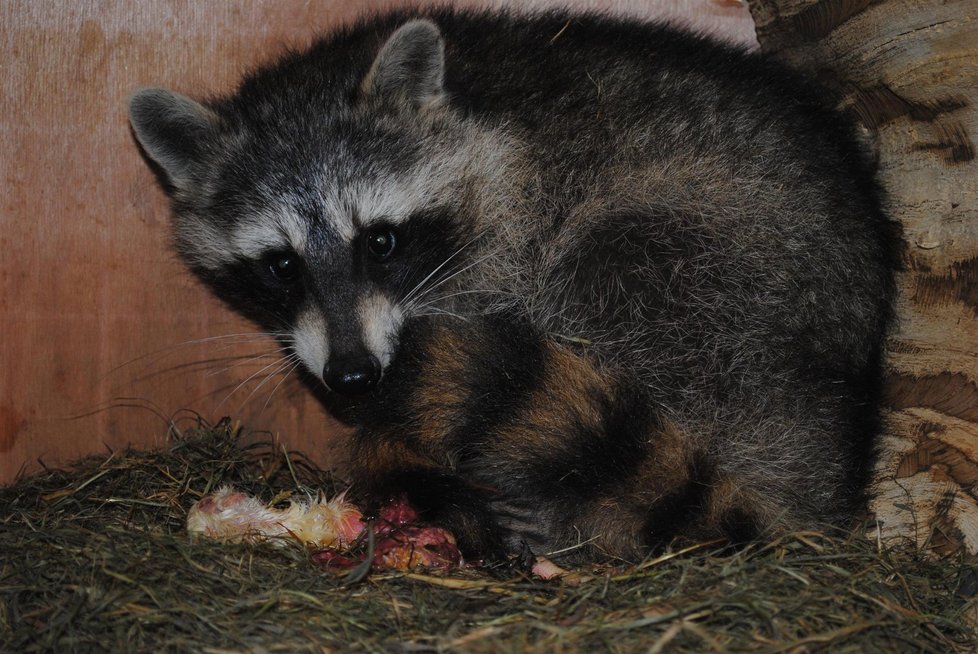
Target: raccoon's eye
381 242
284 266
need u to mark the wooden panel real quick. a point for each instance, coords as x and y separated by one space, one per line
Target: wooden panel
103 338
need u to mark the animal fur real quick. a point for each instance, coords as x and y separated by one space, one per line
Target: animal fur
593 280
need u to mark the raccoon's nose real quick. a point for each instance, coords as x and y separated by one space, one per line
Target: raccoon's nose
352 375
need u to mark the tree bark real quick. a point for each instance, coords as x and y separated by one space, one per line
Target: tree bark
908 71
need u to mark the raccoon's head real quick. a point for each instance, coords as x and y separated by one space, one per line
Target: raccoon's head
331 197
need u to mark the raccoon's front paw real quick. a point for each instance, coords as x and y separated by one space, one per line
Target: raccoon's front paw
503 564
525 562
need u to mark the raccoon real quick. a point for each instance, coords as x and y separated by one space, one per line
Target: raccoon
590 284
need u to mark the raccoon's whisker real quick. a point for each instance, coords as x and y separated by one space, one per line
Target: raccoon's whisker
434 311
468 243
407 298
188 367
296 362
245 337
262 339
250 377
485 291
283 364
211 366
451 276
256 358
430 307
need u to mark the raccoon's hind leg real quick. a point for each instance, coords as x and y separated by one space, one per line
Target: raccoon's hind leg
705 504
674 491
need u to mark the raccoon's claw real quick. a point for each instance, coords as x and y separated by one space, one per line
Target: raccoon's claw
504 565
540 566
525 559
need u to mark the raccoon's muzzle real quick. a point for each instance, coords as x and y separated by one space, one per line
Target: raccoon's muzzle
352 374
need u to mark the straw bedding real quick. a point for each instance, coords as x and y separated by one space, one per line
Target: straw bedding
96 558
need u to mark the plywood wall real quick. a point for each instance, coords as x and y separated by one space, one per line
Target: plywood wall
105 340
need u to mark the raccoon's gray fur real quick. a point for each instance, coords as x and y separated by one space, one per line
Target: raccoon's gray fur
680 214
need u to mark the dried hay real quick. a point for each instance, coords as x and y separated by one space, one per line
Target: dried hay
95 558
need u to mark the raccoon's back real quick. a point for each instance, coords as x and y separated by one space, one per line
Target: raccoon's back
564 80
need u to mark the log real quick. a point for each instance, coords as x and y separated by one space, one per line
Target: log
908 71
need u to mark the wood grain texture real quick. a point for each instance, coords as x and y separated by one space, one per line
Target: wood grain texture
908 69
106 339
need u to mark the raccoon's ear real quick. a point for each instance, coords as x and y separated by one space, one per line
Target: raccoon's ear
173 130
410 66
